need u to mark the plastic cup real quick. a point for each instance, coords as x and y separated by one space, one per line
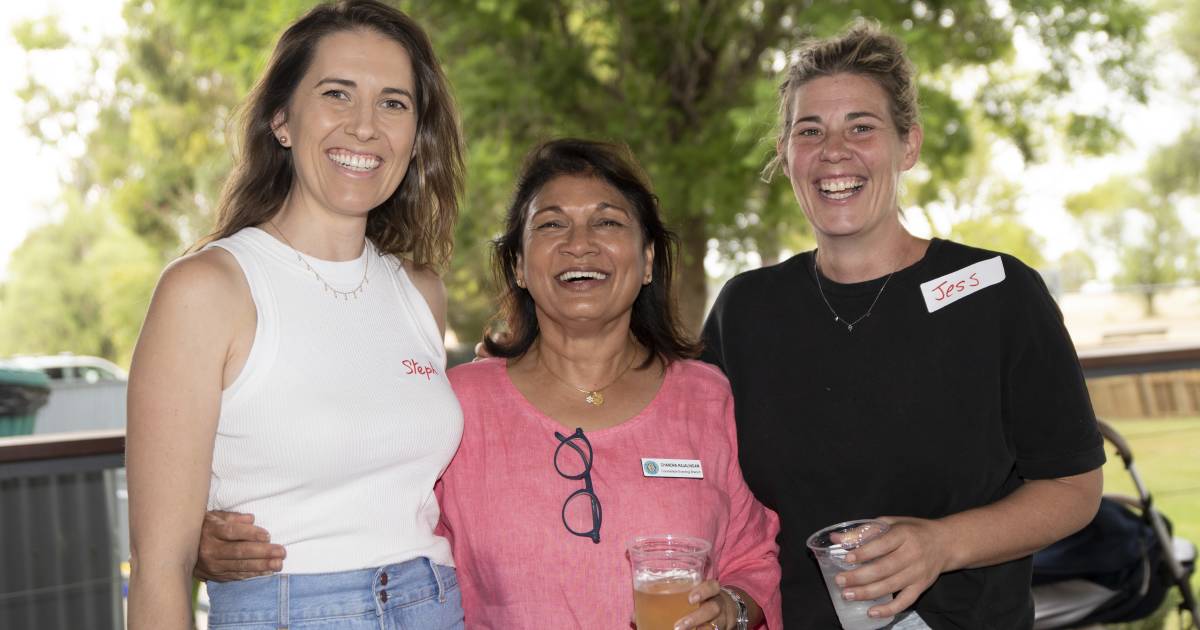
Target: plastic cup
830 545
665 569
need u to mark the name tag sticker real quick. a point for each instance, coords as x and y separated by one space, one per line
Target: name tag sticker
681 468
954 286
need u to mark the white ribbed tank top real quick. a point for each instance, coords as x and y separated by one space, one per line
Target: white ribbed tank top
342 419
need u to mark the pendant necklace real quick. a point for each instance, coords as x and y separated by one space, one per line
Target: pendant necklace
338 294
594 397
838 318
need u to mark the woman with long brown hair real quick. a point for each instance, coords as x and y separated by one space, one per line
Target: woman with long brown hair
293 366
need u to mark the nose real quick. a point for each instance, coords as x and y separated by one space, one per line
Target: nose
361 124
579 241
834 148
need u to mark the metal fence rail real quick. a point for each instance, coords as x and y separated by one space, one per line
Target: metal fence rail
60 513
59 562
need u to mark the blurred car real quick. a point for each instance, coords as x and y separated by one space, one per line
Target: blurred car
72 368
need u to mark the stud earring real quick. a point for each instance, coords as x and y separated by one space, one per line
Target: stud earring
283 140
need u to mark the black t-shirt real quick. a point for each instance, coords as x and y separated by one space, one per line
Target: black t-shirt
914 413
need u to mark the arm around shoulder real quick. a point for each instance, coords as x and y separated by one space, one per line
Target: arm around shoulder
175 388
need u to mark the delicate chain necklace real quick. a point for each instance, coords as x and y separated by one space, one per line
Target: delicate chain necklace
593 397
838 318
329 288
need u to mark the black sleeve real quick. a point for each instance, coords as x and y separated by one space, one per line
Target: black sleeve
1047 405
710 337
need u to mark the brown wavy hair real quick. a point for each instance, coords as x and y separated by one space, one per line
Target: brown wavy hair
865 49
417 220
655 320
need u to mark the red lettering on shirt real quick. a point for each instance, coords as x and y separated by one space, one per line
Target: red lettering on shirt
412 366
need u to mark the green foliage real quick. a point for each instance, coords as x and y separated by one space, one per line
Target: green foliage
1075 268
41 34
688 85
983 205
1137 218
79 285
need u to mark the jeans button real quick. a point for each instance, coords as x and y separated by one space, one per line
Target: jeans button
383 579
383 596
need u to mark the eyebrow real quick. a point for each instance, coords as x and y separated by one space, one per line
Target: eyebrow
351 84
603 205
850 116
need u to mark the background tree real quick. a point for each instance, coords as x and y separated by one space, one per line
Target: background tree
1138 219
79 285
690 86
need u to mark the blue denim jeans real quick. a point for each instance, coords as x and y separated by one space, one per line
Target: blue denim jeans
413 594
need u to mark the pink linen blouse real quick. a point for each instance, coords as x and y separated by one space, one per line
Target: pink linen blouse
502 499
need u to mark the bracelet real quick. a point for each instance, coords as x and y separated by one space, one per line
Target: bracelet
743 615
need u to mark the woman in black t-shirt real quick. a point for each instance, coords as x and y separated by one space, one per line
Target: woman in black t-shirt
926 382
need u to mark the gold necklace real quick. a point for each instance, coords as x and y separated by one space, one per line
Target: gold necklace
593 397
329 288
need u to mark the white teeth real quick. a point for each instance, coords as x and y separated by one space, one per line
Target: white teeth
838 185
567 276
355 162
840 188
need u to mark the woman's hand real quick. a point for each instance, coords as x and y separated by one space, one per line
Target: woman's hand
715 608
905 561
232 548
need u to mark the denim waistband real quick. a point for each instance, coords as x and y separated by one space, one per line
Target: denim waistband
289 598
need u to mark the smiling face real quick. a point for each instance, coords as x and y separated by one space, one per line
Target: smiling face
845 156
584 258
351 123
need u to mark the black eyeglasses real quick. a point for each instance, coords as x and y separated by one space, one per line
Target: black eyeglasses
573 441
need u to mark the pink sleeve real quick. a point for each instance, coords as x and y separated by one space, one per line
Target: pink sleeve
442 528
748 554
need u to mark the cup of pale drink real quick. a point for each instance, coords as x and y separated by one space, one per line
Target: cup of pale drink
830 545
665 569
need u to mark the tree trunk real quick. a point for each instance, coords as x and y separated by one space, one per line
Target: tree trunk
691 280
1148 308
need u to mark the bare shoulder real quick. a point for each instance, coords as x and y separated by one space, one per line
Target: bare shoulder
210 275
427 281
205 288
430 284
201 304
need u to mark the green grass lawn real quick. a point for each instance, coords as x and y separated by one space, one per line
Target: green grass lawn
1166 454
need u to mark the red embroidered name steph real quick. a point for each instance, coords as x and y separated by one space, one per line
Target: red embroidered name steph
412 366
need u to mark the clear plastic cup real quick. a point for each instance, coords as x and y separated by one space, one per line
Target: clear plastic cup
665 569
830 545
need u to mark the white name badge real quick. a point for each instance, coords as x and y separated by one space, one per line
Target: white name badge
952 287
682 468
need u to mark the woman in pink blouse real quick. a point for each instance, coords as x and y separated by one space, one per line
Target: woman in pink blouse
593 386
